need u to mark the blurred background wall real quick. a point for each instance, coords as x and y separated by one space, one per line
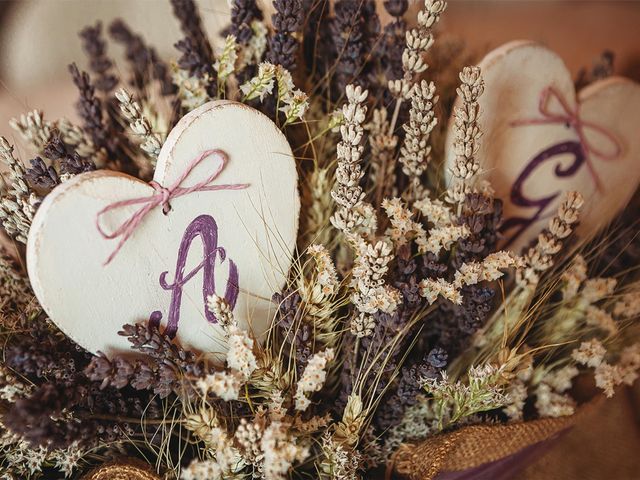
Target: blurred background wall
38 38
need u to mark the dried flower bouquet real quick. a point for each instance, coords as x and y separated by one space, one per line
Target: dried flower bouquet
400 320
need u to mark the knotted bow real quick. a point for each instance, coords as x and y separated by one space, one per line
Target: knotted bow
162 196
571 117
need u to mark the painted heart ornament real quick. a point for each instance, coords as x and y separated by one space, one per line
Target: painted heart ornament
220 216
541 138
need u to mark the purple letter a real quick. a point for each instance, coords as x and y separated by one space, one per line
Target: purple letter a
205 227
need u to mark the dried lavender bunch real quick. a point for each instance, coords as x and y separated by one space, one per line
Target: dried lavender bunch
354 29
71 163
99 63
90 111
283 45
42 175
243 14
143 60
197 54
162 372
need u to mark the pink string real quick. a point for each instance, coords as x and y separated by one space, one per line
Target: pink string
572 117
162 196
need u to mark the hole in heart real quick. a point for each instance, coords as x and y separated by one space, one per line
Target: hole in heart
166 209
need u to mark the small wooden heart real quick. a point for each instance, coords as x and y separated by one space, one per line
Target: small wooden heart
542 139
237 243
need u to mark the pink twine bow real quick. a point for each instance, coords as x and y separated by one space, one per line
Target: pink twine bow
162 196
571 117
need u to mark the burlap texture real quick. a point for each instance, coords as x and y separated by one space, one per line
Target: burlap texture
126 470
601 441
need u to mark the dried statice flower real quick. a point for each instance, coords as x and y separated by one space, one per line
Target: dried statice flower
19 205
434 211
99 63
197 54
539 258
225 385
551 404
441 238
295 106
431 289
467 136
418 41
42 175
326 274
281 450
590 353
143 60
573 278
150 142
243 14
287 21
403 229
313 378
240 356
628 304
351 212
192 90
455 401
415 153
260 85
90 111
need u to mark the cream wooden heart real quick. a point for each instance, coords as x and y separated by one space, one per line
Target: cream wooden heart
541 139
255 228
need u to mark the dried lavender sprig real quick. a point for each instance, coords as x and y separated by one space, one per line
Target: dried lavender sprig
99 63
467 136
90 110
415 152
71 163
243 14
197 54
150 142
42 175
283 46
143 60
18 207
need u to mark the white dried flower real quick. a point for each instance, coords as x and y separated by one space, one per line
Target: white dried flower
260 85
607 378
222 310
225 64
313 378
441 238
590 353
431 289
561 379
435 211
326 274
223 384
573 277
551 404
33 128
628 305
280 451
295 106
403 229
192 90
597 317
240 357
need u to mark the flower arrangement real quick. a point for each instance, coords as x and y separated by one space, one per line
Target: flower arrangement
401 318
